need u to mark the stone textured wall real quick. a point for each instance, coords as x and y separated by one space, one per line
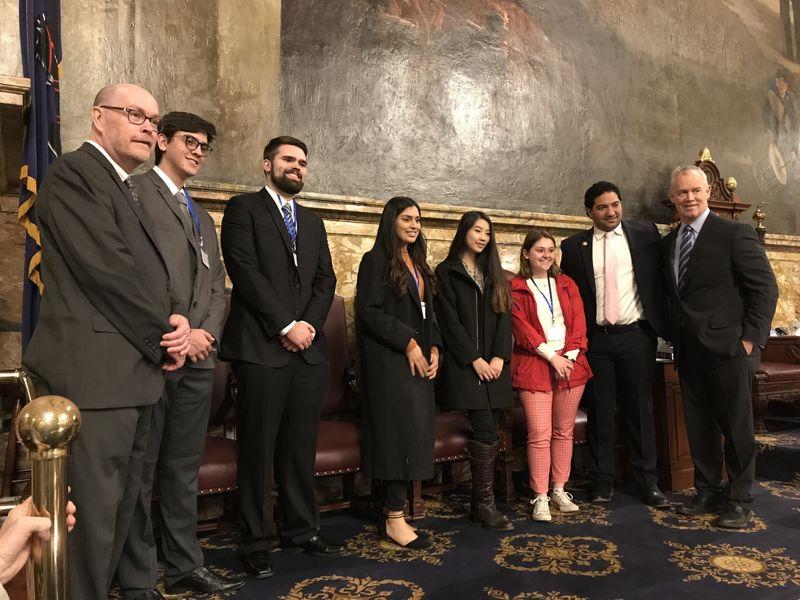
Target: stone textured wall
217 58
10 57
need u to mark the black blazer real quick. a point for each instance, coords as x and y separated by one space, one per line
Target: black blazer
200 288
730 292
643 241
107 297
471 329
269 291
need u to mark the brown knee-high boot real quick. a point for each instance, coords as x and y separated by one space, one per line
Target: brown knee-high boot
481 463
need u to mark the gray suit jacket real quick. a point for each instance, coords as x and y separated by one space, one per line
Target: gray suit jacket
201 288
107 297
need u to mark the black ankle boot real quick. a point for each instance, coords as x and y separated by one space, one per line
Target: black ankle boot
481 464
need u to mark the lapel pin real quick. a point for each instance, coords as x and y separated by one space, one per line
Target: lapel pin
584 243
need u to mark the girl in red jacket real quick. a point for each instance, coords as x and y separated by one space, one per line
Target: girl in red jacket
548 366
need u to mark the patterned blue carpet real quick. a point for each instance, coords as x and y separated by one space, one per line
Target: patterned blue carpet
621 550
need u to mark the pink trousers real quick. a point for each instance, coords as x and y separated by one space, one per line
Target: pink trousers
551 419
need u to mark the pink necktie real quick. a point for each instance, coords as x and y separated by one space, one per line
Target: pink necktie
610 292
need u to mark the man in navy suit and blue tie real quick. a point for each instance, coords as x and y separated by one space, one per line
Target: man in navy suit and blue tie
722 294
277 256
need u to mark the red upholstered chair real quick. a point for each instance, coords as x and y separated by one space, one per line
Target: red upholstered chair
452 434
338 444
218 469
338 447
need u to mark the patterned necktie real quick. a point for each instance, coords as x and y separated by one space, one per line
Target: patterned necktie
687 243
134 192
186 219
288 218
610 291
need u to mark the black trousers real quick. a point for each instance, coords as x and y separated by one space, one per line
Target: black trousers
623 365
111 481
278 416
183 423
484 424
719 416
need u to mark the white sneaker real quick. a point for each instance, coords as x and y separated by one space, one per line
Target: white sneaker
541 509
563 501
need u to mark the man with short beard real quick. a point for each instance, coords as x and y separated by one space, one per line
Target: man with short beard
277 256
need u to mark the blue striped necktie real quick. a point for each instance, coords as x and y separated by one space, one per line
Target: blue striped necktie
687 243
288 218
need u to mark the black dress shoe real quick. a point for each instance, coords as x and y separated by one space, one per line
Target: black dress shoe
151 595
702 503
258 564
600 495
735 516
317 545
204 581
654 497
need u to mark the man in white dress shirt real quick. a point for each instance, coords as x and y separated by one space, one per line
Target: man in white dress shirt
616 266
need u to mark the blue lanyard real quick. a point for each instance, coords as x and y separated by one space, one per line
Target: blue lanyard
415 275
546 301
194 215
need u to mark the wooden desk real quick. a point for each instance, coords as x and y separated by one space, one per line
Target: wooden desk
675 469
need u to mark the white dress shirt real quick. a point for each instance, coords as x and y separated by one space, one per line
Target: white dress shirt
630 306
123 174
173 189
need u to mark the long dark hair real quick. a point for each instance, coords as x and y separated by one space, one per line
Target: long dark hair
387 240
488 260
534 235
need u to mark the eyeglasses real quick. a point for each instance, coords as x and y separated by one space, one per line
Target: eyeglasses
192 143
135 116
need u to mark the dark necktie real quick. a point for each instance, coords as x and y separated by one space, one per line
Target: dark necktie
288 218
134 192
687 243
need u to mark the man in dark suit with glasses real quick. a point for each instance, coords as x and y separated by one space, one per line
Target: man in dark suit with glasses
108 329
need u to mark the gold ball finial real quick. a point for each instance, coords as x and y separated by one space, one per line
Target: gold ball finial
705 155
731 184
48 423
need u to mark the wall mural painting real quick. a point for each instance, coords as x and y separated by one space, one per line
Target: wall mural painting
520 104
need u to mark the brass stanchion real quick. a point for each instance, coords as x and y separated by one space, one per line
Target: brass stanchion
46 426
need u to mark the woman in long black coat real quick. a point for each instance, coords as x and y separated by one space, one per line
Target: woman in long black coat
398 342
473 307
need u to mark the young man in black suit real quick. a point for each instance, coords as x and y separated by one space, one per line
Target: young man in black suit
723 296
277 256
187 238
108 329
616 266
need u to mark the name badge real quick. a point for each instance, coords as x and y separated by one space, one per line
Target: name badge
422 304
556 333
204 258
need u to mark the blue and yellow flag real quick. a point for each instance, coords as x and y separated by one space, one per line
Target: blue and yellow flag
40 40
